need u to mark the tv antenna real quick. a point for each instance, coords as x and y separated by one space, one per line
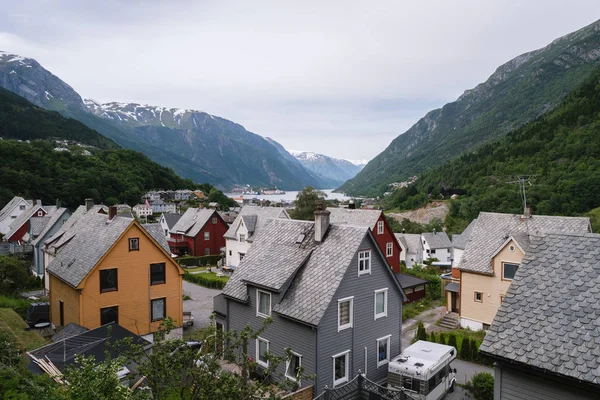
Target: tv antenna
523 181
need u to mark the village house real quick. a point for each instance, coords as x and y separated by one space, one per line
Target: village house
20 226
183 194
167 222
161 206
437 245
491 259
123 208
411 248
142 211
545 337
413 287
245 228
42 228
374 220
107 268
459 242
199 232
334 301
11 211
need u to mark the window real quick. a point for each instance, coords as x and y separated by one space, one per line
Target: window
432 251
230 253
389 249
263 304
206 235
242 237
380 227
419 288
381 303
241 255
262 350
345 312
340 368
408 291
22 207
383 350
410 383
109 314
159 309
292 366
40 214
109 280
214 220
157 274
166 232
479 297
206 251
134 244
364 262
509 271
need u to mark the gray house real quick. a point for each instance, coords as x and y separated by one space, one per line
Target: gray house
42 228
333 298
545 338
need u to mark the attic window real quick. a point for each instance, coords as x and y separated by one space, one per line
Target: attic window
511 247
21 207
134 244
300 238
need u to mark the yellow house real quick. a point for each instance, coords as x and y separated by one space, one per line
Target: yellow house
491 258
107 268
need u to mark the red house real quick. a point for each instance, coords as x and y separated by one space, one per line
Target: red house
413 287
198 232
20 226
375 220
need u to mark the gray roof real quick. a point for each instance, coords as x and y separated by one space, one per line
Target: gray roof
171 219
354 217
437 240
56 215
453 287
413 242
192 221
550 316
25 216
37 225
313 270
12 204
493 229
409 281
156 231
402 240
460 241
262 215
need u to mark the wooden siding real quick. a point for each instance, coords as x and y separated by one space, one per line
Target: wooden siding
365 330
386 237
69 296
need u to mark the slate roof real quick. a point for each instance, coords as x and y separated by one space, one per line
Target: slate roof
25 216
12 204
53 218
409 281
171 219
460 241
550 316
492 229
354 217
453 287
37 225
413 241
156 231
402 240
192 221
311 271
437 240
263 214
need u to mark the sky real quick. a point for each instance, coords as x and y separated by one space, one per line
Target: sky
342 78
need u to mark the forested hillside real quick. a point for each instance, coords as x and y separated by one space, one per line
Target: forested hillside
20 119
561 150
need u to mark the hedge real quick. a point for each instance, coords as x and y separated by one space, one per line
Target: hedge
207 279
189 261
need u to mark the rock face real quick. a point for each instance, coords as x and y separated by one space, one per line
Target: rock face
195 144
516 93
329 167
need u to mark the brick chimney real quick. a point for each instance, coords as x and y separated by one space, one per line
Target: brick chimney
89 203
112 212
321 222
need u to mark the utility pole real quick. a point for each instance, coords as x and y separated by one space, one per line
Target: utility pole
522 181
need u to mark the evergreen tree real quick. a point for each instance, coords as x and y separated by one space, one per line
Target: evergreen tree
452 340
442 338
474 350
465 349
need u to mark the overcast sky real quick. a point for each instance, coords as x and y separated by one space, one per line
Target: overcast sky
343 78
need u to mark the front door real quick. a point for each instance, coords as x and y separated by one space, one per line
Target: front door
454 297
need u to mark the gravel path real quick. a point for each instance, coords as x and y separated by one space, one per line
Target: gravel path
200 304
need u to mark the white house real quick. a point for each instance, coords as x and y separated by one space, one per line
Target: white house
184 194
412 248
245 229
11 211
459 242
437 245
167 222
142 210
161 206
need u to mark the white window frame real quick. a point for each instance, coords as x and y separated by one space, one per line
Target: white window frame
364 255
350 324
385 303
346 367
380 227
389 249
242 237
258 313
287 367
387 360
206 235
214 220
258 361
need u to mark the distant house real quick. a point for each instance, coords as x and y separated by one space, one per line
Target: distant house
459 242
167 222
413 287
437 245
183 194
123 208
107 268
11 211
374 220
228 216
245 229
161 206
545 337
199 232
492 257
42 228
412 248
142 211
333 298
20 226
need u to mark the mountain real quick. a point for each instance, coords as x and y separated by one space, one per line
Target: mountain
559 152
195 144
516 93
332 168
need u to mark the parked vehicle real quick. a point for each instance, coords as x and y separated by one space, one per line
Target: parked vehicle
37 313
423 370
188 319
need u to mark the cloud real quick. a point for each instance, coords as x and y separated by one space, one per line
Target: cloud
342 78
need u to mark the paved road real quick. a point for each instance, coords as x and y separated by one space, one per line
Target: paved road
459 394
428 317
465 370
201 304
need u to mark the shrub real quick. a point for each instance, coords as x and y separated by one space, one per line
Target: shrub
474 351
17 304
465 349
208 280
483 386
189 261
442 338
421 333
432 337
452 340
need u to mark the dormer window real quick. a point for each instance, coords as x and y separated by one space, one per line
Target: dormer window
263 304
364 262
242 237
380 227
134 244
22 207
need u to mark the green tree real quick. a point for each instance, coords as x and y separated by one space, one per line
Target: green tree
465 349
421 333
483 386
15 274
306 203
452 340
442 338
91 380
474 351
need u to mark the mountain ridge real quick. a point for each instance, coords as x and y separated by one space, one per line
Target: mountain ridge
336 169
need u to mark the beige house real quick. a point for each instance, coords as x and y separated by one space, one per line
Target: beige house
491 258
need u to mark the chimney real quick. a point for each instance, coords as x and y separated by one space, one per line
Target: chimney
321 222
527 212
38 202
89 203
112 212
58 203
351 205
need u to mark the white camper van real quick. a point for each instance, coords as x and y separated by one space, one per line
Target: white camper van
423 370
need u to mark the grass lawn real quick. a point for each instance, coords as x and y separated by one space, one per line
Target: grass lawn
12 322
16 303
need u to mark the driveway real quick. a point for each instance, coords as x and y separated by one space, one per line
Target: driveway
465 370
201 303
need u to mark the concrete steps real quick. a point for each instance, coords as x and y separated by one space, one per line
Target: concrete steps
450 321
